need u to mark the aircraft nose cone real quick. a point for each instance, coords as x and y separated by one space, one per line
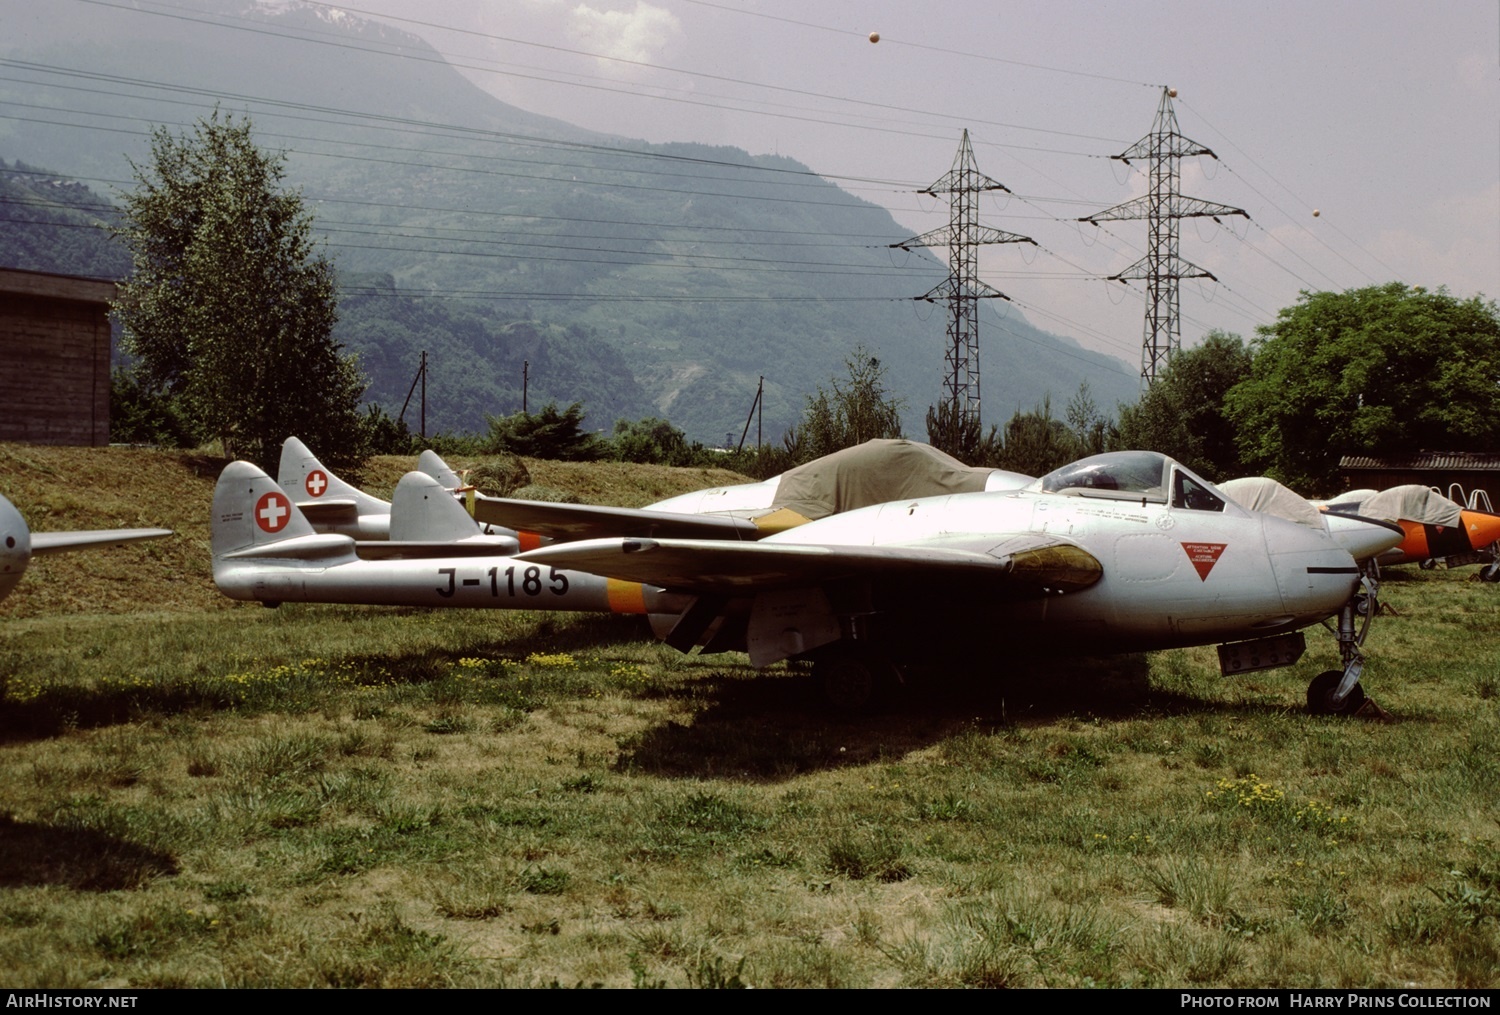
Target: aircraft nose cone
1363 537
1482 527
15 547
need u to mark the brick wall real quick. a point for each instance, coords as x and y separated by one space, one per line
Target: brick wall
54 359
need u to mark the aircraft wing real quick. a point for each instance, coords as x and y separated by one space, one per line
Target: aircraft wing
59 542
584 521
1023 565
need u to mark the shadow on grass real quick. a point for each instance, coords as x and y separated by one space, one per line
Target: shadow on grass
773 726
83 859
55 709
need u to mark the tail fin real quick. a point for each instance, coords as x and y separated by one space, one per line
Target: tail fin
423 510
428 462
307 481
252 515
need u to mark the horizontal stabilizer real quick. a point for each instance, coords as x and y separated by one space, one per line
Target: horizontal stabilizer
318 546
329 512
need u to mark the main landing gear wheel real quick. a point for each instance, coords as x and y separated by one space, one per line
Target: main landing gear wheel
1323 686
854 680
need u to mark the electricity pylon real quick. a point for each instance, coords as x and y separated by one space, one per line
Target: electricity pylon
962 289
1163 207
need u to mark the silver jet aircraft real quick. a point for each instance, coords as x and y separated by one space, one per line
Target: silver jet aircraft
1127 551
1122 552
18 544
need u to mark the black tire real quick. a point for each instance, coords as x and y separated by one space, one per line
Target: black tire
854 680
1323 685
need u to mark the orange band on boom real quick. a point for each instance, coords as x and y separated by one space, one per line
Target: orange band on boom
529 541
625 597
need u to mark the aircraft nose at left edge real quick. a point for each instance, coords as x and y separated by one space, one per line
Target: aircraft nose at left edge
15 546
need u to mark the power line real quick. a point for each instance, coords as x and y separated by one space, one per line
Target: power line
342 42
886 40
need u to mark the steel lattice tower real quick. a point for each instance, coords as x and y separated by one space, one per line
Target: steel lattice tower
1163 207
962 289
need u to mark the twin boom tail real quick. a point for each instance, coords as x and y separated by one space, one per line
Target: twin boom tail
265 550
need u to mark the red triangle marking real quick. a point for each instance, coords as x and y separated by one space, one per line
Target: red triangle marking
1204 556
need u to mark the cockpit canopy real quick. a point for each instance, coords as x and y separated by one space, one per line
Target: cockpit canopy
1146 476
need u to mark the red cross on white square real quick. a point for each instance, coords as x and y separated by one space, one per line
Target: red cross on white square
317 482
272 512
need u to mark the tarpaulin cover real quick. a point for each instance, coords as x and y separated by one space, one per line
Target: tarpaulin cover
872 473
1259 493
1413 503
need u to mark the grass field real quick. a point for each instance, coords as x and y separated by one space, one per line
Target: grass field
200 793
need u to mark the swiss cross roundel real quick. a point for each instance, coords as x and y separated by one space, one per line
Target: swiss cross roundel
272 511
317 482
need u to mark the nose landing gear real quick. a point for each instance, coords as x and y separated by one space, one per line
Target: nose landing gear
1338 692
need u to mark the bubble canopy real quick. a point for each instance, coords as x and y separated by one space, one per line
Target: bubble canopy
1132 475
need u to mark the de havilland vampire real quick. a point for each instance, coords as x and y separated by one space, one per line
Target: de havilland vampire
1122 552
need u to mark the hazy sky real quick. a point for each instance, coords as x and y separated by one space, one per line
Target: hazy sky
1383 116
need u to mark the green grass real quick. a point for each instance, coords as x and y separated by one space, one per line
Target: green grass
336 796
329 796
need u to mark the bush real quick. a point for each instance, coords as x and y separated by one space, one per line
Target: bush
551 434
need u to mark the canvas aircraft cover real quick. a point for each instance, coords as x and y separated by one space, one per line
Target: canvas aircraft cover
1413 503
874 472
1260 493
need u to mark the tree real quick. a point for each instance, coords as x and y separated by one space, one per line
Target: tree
554 434
228 306
956 433
1184 415
859 410
1382 370
653 441
1091 429
1034 443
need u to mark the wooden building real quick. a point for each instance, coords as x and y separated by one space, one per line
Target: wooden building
54 344
1455 474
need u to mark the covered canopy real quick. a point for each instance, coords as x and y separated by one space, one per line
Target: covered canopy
1260 493
872 473
1413 503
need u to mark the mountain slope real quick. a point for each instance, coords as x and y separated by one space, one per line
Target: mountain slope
661 279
